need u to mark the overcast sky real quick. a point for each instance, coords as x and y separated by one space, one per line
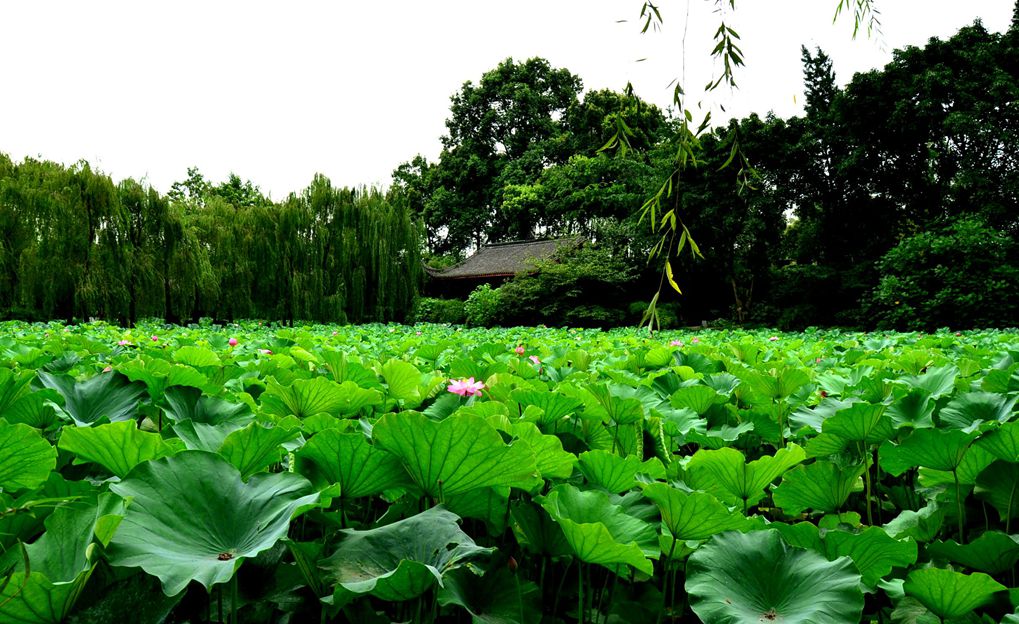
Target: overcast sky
277 91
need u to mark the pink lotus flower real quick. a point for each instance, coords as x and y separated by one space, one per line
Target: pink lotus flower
773 338
265 351
417 333
676 343
123 343
958 333
695 340
817 360
155 338
534 358
466 387
232 342
108 369
519 350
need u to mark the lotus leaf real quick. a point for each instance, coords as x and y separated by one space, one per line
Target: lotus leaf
601 532
992 552
748 578
192 517
458 454
350 460
26 458
693 515
117 447
951 594
498 597
307 397
400 561
107 395
820 486
726 474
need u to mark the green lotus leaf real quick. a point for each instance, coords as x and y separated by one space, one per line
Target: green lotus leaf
680 422
406 383
726 474
1003 443
255 447
498 597
159 375
198 436
820 486
608 470
550 459
460 453
970 410
402 560
107 395
932 448
60 561
554 406
714 439
1002 381
536 531
998 484
488 504
861 422
697 398
693 515
196 356
748 578
973 463
951 594
914 409
992 552
37 409
779 385
18 404
117 447
922 525
26 458
815 416
874 553
599 531
936 382
361 468
608 405
13 386
186 403
307 397
192 517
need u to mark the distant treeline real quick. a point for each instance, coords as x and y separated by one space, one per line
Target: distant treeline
74 245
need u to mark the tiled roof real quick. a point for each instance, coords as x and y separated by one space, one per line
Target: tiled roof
504 259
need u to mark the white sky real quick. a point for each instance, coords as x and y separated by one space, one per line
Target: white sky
277 91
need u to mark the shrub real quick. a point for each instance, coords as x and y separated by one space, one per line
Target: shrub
577 287
964 274
482 306
432 310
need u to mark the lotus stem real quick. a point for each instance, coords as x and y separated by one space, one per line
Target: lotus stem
580 593
1008 514
867 483
233 599
958 504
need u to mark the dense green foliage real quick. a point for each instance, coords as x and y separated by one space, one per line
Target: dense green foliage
75 245
325 473
795 235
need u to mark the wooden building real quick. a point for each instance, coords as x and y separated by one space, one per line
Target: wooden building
492 264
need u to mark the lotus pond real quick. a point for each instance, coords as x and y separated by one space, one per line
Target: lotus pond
435 474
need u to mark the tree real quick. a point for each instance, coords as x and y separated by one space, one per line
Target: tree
504 130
